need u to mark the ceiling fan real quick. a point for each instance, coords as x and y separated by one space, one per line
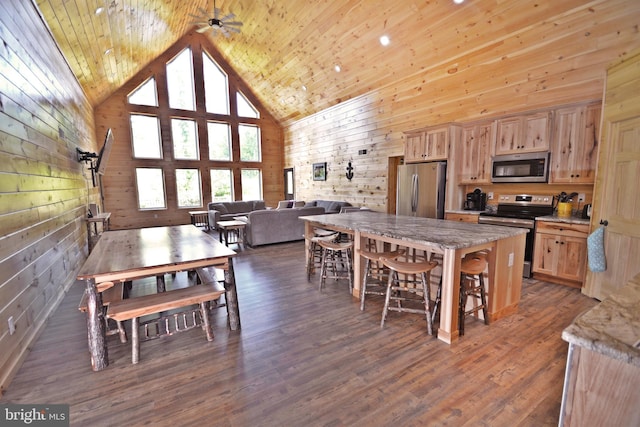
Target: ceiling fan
223 24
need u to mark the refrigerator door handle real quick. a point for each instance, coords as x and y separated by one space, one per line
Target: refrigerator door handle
414 193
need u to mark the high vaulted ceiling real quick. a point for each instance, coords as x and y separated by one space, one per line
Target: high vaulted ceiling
288 49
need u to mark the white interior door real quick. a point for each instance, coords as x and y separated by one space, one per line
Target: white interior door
617 188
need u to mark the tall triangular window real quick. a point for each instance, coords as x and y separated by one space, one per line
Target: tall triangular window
216 87
180 81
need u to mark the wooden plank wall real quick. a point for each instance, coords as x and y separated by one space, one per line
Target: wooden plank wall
44 190
558 60
119 180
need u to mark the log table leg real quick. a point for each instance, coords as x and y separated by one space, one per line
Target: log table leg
96 333
231 295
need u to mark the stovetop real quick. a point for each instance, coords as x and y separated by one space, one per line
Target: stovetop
522 206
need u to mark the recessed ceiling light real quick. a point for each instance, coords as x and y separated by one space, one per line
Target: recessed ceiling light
108 51
458 1
304 88
337 68
99 10
384 40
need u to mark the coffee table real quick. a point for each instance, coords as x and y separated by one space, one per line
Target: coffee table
236 227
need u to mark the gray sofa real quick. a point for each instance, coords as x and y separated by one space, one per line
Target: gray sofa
277 225
226 211
330 206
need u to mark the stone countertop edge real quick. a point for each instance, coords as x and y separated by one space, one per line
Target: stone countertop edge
612 328
463 211
441 233
570 220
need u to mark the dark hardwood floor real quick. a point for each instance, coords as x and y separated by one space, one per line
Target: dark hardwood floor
309 358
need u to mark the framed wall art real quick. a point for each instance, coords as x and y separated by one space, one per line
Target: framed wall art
320 171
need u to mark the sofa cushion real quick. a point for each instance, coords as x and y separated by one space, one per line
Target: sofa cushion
277 225
226 211
330 206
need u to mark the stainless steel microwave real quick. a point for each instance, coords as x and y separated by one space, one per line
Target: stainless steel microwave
526 167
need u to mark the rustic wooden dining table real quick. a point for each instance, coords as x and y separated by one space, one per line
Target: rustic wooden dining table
126 255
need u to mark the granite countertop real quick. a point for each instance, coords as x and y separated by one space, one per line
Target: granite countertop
611 328
444 234
570 220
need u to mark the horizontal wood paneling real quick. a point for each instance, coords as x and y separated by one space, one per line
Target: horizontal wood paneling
550 55
44 191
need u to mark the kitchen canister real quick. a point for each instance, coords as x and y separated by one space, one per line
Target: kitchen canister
564 209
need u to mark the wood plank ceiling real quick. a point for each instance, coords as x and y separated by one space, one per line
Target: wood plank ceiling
288 49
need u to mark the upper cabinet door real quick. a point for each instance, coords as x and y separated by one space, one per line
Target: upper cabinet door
523 134
474 154
427 145
414 148
575 144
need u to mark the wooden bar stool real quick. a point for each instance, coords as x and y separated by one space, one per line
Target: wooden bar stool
398 288
336 256
314 254
472 285
376 271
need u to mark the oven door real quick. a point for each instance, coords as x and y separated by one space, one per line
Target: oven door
520 223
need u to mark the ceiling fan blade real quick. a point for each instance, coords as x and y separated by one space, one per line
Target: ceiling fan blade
203 13
229 16
235 23
216 13
235 30
197 16
203 29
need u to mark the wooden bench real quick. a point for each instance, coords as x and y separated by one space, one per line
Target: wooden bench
110 293
134 308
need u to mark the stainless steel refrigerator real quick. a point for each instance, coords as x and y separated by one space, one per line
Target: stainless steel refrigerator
421 189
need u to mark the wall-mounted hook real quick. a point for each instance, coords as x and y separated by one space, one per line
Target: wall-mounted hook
604 222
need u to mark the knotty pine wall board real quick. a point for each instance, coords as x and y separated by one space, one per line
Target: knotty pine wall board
44 116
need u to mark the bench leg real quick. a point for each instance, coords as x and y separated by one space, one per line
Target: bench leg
135 340
121 332
231 296
206 322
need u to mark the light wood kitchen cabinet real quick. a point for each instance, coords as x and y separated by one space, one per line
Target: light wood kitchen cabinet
560 252
462 217
575 144
476 147
427 145
523 134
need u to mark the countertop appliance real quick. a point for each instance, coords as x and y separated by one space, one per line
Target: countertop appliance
421 189
476 201
520 211
526 167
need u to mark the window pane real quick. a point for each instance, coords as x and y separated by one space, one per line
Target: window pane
216 87
251 184
245 109
145 94
185 139
180 81
249 143
145 134
221 185
150 185
188 186
219 141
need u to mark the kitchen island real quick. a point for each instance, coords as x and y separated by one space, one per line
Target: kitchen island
603 364
451 239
